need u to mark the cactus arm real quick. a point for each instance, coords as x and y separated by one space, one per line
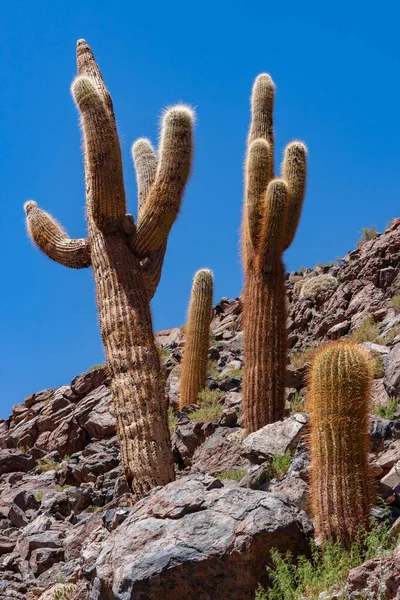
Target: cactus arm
273 225
256 183
88 67
51 238
145 162
151 270
164 198
294 171
103 165
262 107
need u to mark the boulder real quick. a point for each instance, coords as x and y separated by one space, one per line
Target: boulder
191 538
392 372
14 460
276 438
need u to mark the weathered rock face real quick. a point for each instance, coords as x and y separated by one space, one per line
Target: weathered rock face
376 578
196 538
64 509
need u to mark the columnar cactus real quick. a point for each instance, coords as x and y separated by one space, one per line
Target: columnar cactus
195 353
271 214
127 260
340 380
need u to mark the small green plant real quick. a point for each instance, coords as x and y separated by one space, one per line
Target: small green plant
377 365
303 357
60 577
279 465
23 449
95 367
213 370
234 474
233 373
210 407
62 591
61 488
367 331
314 285
39 495
388 338
395 304
389 411
47 464
368 233
163 353
297 403
172 420
329 564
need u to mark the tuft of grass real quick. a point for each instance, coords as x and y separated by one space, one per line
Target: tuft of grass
61 488
367 331
210 407
233 373
389 411
279 465
368 233
23 449
329 564
172 420
303 357
395 304
387 339
297 403
163 353
213 370
234 474
377 364
39 495
95 367
47 464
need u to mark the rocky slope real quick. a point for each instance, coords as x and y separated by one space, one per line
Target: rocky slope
65 515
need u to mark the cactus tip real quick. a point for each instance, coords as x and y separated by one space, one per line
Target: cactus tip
141 146
29 205
182 113
83 90
265 80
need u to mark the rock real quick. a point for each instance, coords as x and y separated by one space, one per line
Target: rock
85 383
392 479
17 516
379 395
188 436
379 578
14 460
387 459
220 452
392 372
218 534
95 413
43 558
294 489
276 438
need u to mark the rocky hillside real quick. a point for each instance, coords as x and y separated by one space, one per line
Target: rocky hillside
66 522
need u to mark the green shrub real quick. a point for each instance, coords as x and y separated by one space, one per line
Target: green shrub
377 364
303 357
388 338
213 370
47 464
368 233
39 495
163 353
367 331
279 465
297 403
389 411
61 591
235 474
298 285
395 304
95 367
313 285
172 420
233 373
329 564
210 407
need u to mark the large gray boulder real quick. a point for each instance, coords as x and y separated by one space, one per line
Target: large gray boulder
392 372
194 538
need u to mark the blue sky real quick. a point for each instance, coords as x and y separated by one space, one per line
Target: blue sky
336 69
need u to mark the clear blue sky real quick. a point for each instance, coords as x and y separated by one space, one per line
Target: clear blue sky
336 68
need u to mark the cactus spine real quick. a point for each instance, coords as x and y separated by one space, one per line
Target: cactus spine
340 380
271 214
127 260
195 354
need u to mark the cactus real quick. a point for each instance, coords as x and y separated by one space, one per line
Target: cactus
195 354
271 214
127 260
339 383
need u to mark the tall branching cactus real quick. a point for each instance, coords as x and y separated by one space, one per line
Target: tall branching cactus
127 260
271 214
340 380
195 353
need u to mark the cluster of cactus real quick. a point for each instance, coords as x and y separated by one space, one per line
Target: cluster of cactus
271 214
195 354
127 260
339 386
